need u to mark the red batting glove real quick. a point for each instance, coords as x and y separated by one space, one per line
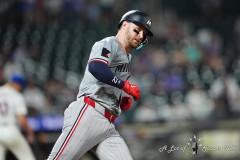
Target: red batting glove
125 103
132 90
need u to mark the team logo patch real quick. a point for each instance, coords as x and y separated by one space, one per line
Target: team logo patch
149 23
105 53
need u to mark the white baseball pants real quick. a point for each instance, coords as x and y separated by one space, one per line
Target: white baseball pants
84 129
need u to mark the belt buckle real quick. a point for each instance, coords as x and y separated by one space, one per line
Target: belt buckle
109 116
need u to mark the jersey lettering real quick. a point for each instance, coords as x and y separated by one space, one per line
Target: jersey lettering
3 108
123 68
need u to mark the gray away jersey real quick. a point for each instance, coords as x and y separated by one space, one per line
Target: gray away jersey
110 52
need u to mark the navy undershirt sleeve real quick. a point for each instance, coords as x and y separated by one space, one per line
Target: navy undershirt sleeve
102 73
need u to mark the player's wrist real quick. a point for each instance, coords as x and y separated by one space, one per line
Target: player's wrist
125 85
120 83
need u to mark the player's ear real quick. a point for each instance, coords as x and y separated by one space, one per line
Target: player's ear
124 24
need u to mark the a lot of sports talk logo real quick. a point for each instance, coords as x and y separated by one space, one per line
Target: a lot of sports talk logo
197 148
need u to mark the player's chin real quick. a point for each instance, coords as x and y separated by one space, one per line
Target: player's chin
135 44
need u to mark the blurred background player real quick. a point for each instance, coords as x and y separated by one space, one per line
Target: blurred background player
13 111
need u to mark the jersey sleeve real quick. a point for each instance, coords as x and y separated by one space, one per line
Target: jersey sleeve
102 52
20 105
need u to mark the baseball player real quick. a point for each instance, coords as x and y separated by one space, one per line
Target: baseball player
13 110
103 93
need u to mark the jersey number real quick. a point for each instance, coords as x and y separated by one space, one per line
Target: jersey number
3 108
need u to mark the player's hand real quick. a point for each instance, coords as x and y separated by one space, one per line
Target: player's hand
132 90
125 103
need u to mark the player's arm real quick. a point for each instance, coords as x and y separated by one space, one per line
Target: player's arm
24 124
102 73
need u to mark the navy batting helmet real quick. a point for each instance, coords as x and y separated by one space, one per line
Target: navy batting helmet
139 18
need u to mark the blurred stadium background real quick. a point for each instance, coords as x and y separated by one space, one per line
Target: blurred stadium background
189 73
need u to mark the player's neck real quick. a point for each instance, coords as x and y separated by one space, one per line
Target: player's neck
15 86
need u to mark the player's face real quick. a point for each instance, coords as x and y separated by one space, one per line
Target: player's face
134 35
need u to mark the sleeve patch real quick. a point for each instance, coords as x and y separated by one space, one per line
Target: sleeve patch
105 53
